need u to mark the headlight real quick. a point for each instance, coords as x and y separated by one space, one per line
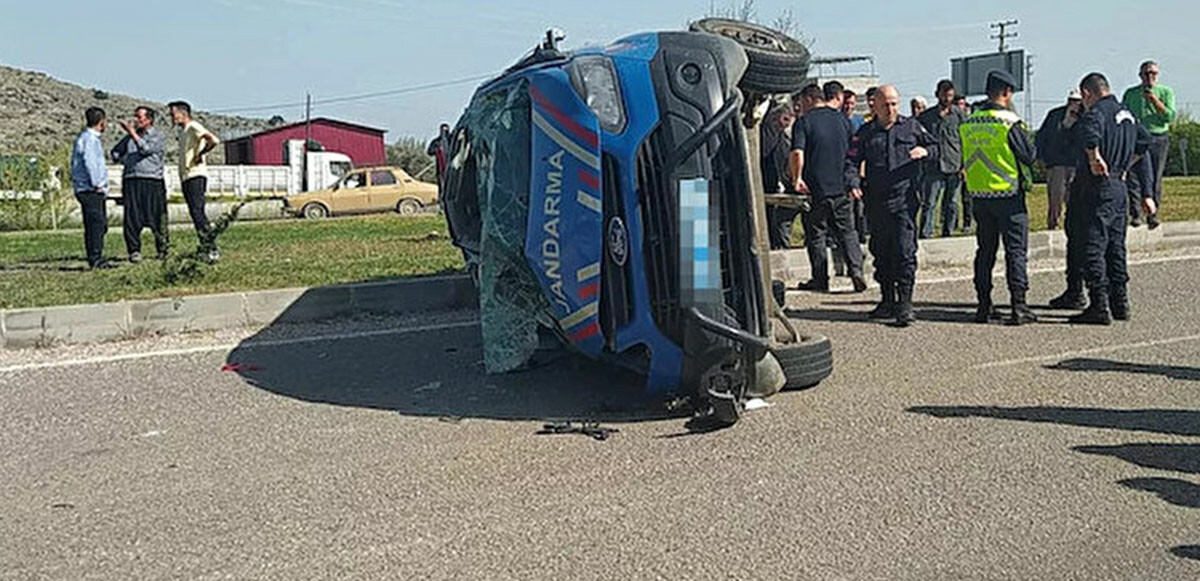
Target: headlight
596 81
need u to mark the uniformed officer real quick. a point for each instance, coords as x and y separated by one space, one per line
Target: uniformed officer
996 153
891 146
1112 140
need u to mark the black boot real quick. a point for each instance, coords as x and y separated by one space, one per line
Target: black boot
887 307
1071 300
904 305
986 312
1021 315
1118 302
1097 312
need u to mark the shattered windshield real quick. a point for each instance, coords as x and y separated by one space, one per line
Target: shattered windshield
490 170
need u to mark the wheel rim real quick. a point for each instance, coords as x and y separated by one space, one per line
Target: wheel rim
750 37
408 208
314 211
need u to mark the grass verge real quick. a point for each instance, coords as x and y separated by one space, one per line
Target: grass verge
47 268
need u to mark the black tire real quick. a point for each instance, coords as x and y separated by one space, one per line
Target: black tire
806 364
778 63
314 211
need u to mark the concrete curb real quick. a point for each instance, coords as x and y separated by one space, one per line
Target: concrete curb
25 328
792 266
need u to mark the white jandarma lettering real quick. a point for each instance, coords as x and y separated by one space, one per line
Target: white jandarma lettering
551 209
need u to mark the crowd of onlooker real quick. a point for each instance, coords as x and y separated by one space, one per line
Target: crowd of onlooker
889 180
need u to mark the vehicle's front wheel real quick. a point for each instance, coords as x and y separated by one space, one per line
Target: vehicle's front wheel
315 211
806 363
408 207
778 63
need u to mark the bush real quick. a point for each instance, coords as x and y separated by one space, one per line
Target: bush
1184 130
408 153
22 178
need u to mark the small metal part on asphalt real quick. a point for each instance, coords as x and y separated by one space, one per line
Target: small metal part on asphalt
591 429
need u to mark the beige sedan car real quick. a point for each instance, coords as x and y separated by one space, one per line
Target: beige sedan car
367 190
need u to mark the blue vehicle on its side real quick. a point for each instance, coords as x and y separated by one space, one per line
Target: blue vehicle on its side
606 194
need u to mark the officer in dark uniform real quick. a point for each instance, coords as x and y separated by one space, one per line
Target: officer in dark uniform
891 146
1112 141
996 153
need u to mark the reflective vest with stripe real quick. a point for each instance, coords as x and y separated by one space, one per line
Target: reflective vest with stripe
991 167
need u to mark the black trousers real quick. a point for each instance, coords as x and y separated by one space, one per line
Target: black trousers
893 243
779 226
145 201
194 191
1104 217
95 224
1075 227
1001 220
1147 182
832 220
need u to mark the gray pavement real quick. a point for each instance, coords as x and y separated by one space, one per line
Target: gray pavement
381 451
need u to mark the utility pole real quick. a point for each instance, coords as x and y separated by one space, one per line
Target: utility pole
307 138
1029 89
1004 35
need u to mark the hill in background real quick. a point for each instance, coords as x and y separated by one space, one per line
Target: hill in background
39 114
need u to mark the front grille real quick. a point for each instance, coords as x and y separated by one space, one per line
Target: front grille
659 199
616 304
660 219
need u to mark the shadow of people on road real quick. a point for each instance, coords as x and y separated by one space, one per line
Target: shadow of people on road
1105 365
1173 457
1183 458
437 372
1158 421
1170 490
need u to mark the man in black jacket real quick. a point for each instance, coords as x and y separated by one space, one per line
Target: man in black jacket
892 147
1054 149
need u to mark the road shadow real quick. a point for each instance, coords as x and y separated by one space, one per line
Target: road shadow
1173 457
1169 490
1158 421
1183 458
1108 366
436 372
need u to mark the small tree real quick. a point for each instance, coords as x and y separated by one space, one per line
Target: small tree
408 153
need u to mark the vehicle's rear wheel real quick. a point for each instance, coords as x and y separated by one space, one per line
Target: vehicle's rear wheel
807 363
408 207
315 211
778 62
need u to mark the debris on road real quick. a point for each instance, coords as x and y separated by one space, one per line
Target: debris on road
591 429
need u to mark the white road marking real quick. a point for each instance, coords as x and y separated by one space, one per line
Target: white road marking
1148 261
1098 350
232 346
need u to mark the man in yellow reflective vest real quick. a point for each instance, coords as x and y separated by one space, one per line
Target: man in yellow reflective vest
996 154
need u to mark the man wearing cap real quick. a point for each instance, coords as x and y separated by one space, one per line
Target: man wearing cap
996 155
891 148
1112 140
1054 149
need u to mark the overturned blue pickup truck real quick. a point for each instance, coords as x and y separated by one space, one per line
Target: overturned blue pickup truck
609 196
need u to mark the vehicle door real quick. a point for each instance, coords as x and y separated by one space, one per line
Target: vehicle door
352 194
386 190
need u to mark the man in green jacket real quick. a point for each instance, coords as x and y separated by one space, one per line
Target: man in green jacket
1154 105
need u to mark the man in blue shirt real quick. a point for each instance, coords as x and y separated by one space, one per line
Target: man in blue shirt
90 178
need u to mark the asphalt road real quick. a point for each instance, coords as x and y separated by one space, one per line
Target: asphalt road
945 451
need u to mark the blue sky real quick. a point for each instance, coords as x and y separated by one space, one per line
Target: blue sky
230 54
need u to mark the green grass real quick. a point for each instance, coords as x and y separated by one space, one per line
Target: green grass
1181 203
46 268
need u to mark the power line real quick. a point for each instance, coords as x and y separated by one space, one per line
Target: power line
358 97
1004 35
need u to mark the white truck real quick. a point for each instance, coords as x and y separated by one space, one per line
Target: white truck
324 169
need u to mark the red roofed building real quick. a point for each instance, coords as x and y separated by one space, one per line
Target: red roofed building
364 145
